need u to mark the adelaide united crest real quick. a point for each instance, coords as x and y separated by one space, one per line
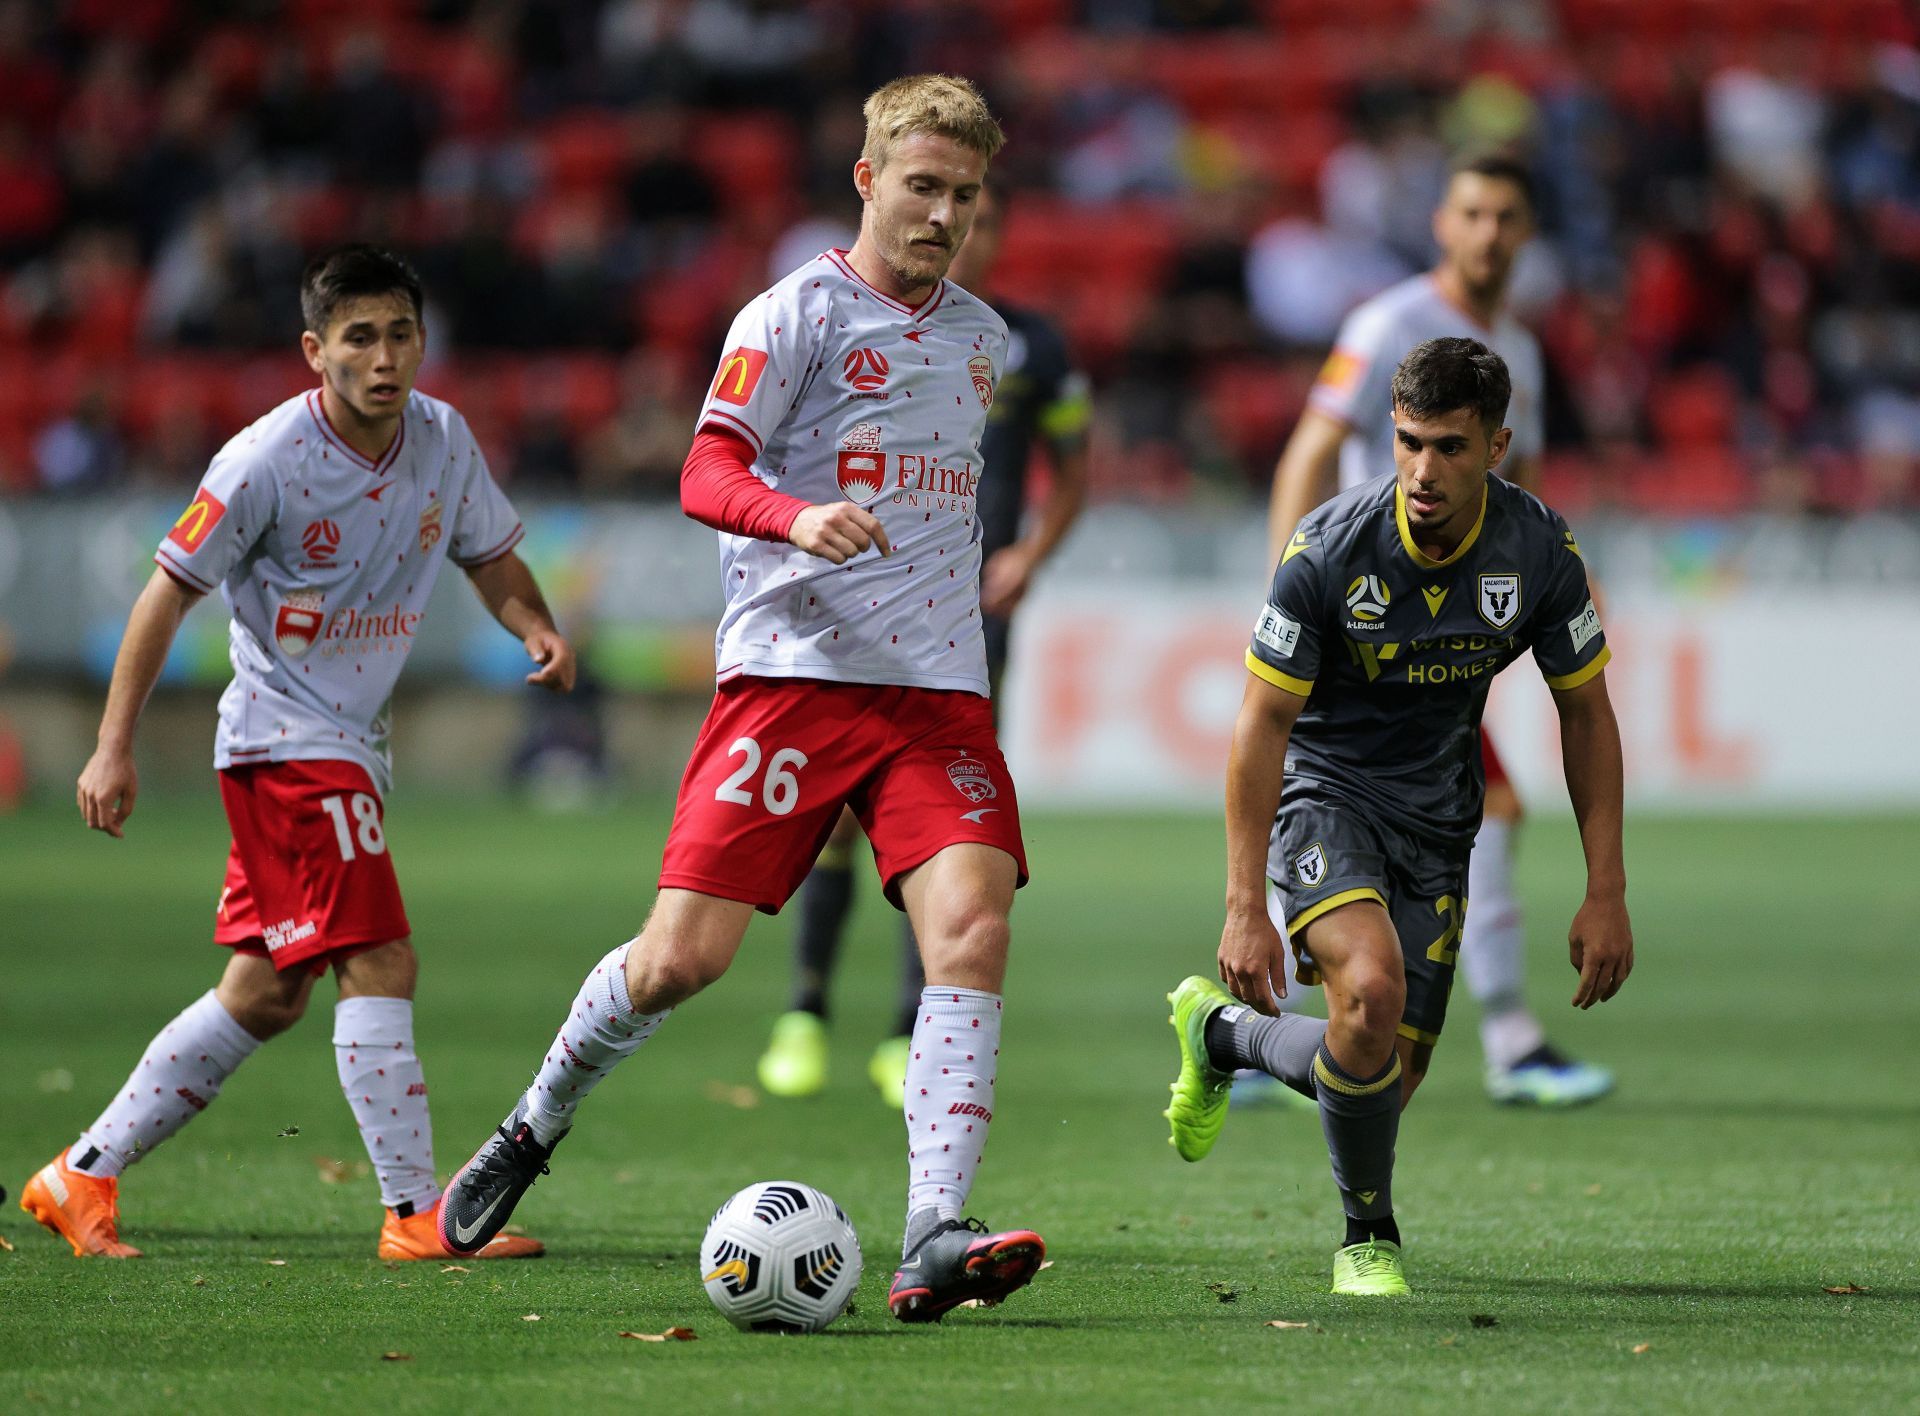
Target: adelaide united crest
981 368
971 779
297 623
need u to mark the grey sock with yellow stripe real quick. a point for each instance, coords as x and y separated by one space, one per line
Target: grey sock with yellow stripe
1361 1118
1282 1047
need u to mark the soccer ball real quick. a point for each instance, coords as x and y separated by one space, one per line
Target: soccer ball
780 1257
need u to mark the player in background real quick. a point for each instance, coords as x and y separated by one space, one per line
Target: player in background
324 526
1354 784
1482 223
839 455
1041 396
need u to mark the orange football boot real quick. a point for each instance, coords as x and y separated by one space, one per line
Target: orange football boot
82 1209
418 1237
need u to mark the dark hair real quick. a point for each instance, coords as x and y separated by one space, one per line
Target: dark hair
1444 374
1501 165
350 272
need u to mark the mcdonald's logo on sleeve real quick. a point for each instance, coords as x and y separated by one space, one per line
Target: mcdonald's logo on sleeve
739 374
196 523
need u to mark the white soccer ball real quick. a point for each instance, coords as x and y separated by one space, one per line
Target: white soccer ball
780 1257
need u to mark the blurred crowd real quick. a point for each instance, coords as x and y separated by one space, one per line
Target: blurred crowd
1727 279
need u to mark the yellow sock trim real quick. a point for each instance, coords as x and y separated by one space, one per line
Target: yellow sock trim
1326 1076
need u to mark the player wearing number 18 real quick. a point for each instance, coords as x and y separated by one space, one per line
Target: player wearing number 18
324 525
839 456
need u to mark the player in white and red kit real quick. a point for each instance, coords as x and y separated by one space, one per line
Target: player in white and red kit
1480 227
838 453
324 526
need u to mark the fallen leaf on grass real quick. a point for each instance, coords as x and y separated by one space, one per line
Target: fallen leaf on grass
1045 1264
1449 1342
727 1094
6 1243
1593 1189
199 1281
672 1334
289 1131
1283 1323
1640 1347
531 1318
1226 1293
396 1356
1849 1288
456 1268
1484 1320
340 1172
276 1263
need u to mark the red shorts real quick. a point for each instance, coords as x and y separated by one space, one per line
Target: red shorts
308 874
778 758
1496 770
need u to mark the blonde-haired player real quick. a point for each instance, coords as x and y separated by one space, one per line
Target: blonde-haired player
838 454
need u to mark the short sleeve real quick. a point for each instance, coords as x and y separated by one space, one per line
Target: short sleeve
234 507
1355 384
769 349
1568 643
1287 636
1529 411
485 525
1064 396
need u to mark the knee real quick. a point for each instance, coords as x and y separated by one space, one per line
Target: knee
265 1015
969 947
1373 1000
667 975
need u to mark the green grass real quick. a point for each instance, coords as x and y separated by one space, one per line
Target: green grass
1765 1144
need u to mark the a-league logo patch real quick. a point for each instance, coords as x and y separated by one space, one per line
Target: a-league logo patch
1499 599
970 778
1311 865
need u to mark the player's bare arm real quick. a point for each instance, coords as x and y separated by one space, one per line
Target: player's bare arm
109 783
1253 957
507 587
1307 474
1600 943
838 532
1008 573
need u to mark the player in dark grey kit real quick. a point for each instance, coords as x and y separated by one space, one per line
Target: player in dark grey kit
1391 610
1041 397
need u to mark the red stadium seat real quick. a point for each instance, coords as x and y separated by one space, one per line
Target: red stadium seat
585 150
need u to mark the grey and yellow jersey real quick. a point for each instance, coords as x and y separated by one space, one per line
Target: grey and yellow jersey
1395 651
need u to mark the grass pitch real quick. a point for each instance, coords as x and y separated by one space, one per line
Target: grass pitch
1670 1246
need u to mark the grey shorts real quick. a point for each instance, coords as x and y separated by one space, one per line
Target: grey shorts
1325 853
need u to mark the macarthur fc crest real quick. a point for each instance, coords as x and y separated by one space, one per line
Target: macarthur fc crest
1499 599
1311 865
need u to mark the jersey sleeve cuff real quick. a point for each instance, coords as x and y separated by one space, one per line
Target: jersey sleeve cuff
1260 668
514 538
181 576
1562 682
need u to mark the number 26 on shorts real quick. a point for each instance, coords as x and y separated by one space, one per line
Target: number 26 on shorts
779 789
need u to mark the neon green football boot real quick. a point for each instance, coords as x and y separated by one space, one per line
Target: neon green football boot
1370 1270
887 1070
1199 1107
795 1062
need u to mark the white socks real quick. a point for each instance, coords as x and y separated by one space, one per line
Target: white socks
950 1076
380 1074
601 1029
180 1073
1493 954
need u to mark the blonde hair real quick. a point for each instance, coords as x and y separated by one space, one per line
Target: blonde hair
929 103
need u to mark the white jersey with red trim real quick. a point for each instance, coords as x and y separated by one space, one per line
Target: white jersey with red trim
326 561
1355 385
847 395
